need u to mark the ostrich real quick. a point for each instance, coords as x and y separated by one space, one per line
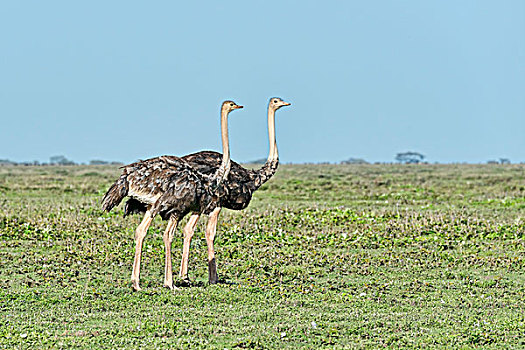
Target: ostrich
171 187
239 187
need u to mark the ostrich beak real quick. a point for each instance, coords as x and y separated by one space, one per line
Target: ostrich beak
287 104
238 107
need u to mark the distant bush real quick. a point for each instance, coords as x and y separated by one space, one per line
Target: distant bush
60 160
97 162
500 161
355 161
103 162
410 157
6 162
257 161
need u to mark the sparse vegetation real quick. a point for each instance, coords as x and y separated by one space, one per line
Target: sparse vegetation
396 256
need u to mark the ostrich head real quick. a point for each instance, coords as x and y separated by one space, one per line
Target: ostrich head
276 103
229 106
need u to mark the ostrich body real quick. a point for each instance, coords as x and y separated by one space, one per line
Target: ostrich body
170 187
239 187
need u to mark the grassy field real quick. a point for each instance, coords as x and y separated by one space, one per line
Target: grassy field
326 256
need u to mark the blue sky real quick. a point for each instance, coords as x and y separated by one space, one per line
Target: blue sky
122 80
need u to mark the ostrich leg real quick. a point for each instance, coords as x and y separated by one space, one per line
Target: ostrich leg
140 233
211 229
168 239
189 229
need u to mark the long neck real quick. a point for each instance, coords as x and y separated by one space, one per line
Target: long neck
224 168
270 167
273 154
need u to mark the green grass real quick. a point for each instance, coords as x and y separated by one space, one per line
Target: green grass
326 256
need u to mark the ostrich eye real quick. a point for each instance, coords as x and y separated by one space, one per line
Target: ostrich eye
231 104
275 101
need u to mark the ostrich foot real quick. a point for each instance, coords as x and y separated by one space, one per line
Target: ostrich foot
184 282
136 286
213 279
169 284
212 272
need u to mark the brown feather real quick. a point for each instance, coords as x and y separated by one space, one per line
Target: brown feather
165 185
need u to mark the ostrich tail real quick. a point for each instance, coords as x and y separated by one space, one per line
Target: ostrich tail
115 194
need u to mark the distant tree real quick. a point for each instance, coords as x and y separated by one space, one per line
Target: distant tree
7 162
500 161
103 162
97 162
354 161
410 157
60 160
257 161
28 163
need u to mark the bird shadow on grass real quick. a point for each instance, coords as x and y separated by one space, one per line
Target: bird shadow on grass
189 283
